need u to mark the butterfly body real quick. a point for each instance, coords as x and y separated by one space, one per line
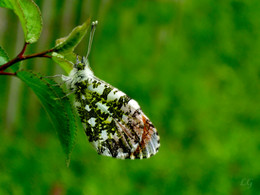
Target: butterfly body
114 123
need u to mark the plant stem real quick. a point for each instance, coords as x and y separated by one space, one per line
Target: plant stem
21 57
23 50
7 73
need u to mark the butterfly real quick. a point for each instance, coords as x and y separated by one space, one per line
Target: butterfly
114 123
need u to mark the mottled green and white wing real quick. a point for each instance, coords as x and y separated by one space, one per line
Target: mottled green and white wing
114 123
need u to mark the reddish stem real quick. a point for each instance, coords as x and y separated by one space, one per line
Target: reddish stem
41 54
21 57
23 50
7 73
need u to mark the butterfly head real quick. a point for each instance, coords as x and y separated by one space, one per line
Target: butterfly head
81 67
80 64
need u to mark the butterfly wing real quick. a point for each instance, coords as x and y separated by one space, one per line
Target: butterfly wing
114 123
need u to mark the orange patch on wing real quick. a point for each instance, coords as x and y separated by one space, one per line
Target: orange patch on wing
146 137
148 131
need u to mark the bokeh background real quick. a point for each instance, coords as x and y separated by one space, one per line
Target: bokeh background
193 66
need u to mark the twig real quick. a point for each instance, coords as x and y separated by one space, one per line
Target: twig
7 73
21 57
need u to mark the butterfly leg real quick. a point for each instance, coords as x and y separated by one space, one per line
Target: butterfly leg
63 77
65 95
54 76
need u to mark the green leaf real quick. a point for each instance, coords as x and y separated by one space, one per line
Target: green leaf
15 67
67 44
63 51
6 4
57 105
4 59
3 56
30 16
65 61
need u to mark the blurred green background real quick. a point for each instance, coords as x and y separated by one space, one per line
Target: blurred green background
193 66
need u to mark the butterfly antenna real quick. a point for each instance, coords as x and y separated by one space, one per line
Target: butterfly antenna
93 28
